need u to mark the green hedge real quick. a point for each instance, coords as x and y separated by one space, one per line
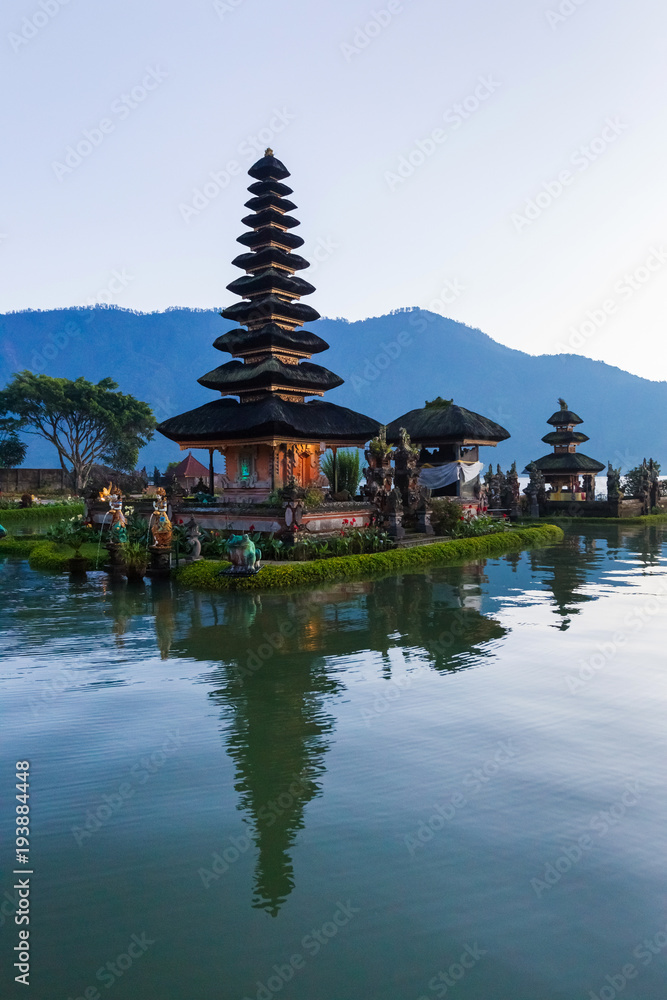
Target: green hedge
641 519
204 575
42 512
42 554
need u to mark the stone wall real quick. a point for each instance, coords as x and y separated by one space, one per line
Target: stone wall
34 480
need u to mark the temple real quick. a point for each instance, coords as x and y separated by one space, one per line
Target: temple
562 469
450 438
270 435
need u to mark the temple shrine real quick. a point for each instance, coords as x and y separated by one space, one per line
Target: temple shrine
562 469
270 435
450 438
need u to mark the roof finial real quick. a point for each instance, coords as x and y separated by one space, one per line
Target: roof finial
563 404
268 151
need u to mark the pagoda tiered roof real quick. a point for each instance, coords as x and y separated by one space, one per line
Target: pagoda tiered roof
272 379
566 462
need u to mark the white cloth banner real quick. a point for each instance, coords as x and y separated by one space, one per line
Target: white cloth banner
438 476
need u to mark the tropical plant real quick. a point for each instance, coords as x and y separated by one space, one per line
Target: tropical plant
343 470
73 531
135 559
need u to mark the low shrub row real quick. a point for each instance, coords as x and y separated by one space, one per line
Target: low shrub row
205 575
40 512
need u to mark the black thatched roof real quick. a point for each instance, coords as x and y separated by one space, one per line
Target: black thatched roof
267 280
266 258
433 425
269 168
570 462
565 437
270 200
227 420
270 234
267 307
563 416
261 188
270 335
235 376
270 217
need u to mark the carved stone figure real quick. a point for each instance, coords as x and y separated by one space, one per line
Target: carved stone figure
614 491
243 554
161 527
194 539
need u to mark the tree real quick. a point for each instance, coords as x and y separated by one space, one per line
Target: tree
84 421
12 449
635 479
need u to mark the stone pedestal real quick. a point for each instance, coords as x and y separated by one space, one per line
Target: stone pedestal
160 562
394 524
116 565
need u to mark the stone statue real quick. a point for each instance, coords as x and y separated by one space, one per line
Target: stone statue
194 539
614 491
118 530
161 527
243 555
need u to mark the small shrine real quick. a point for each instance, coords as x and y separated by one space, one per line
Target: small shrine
449 437
269 434
569 474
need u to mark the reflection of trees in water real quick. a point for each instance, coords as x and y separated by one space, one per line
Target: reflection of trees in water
565 569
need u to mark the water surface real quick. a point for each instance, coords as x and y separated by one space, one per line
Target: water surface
342 794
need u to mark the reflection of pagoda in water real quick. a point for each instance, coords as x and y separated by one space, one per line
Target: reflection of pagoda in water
277 737
570 565
278 730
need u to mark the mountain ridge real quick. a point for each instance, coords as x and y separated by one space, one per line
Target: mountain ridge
391 364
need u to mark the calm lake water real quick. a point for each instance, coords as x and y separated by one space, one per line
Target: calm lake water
446 784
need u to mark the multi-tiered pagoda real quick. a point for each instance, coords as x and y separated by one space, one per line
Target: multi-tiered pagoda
563 469
270 435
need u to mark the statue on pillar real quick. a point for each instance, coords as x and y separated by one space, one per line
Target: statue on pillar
512 492
406 476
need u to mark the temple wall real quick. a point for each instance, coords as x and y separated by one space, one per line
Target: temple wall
32 480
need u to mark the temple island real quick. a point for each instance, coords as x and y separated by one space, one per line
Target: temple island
569 473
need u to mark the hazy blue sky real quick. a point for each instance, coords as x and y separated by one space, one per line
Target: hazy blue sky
519 93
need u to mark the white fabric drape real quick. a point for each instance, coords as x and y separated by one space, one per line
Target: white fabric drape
438 476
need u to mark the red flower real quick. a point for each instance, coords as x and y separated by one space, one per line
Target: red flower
354 520
251 528
345 521
180 520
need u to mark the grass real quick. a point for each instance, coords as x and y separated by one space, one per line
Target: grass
205 575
